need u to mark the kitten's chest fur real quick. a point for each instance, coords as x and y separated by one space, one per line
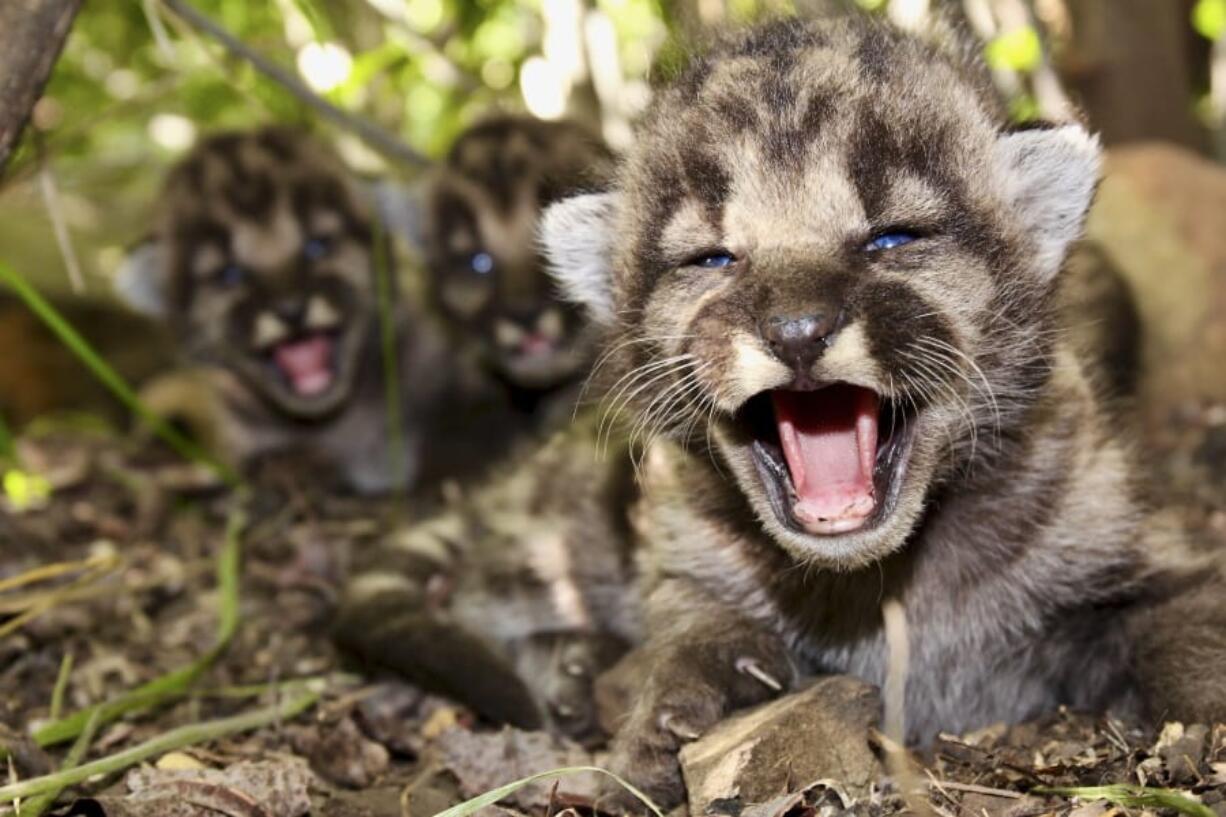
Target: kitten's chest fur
1008 584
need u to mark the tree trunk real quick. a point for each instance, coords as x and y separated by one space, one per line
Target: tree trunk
32 32
1129 66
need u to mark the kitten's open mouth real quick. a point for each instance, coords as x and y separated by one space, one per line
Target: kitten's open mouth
831 460
307 364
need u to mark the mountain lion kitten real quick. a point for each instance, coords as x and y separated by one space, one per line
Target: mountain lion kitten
830 266
264 263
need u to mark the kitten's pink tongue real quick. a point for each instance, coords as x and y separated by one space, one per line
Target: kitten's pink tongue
829 440
307 364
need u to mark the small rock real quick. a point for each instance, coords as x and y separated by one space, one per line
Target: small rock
341 754
820 733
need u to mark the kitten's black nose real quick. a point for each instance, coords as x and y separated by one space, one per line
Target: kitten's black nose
798 340
290 309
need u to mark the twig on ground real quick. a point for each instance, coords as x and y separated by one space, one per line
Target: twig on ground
975 789
894 693
177 683
168 742
44 573
493 796
376 137
32 605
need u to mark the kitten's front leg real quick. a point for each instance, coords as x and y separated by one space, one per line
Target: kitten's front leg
700 667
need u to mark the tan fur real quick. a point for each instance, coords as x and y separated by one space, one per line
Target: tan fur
1006 518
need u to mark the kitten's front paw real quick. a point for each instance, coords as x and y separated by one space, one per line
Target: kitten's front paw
691 687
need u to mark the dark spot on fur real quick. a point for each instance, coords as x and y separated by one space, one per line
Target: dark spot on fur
279 142
894 317
707 181
875 52
736 113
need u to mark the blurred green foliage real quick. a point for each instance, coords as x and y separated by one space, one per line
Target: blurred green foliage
1209 18
135 82
421 68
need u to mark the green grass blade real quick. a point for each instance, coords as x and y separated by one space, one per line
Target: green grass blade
491 797
1130 796
36 805
387 341
61 686
168 742
173 684
102 370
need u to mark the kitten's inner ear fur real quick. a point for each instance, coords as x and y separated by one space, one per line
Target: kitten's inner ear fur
143 279
578 238
1049 177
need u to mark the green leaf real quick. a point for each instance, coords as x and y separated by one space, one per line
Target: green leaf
1133 797
1209 18
1019 50
491 797
25 490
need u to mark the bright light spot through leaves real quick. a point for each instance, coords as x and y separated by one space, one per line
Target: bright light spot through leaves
543 91
1209 18
171 131
1019 50
324 66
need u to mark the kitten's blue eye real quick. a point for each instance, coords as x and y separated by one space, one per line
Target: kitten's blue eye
716 260
482 263
888 241
316 248
231 275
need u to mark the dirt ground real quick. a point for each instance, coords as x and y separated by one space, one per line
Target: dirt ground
140 534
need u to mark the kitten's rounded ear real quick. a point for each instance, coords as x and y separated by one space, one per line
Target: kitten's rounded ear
143 279
578 239
1048 178
401 206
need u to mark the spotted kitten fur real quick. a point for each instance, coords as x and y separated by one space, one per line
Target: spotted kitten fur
832 270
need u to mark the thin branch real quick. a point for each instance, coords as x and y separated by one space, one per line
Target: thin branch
59 225
376 137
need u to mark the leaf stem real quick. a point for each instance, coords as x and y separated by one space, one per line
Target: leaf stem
168 742
108 376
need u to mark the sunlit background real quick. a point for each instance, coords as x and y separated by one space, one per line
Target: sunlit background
137 85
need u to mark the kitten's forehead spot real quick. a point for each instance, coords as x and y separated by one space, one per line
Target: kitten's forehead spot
207 259
269 246
768 212
326 222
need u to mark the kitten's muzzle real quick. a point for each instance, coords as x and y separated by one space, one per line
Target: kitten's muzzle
799 339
